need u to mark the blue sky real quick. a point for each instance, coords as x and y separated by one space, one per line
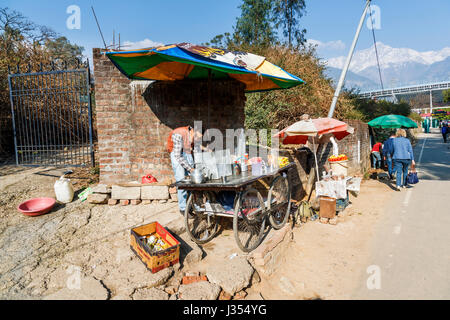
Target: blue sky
417 24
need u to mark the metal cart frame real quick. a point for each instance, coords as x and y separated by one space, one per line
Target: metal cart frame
250 210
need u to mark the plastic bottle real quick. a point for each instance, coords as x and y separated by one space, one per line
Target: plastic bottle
64 190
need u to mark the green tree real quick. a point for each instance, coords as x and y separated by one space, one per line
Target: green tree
24 43
371 109
446 94
286 14
61 48
255 26
221 41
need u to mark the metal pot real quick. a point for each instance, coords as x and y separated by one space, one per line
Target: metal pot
197 176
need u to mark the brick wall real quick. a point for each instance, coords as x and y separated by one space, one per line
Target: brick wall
135 118
349 146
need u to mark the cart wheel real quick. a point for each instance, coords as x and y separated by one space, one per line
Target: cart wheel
248 227
279 202
200 225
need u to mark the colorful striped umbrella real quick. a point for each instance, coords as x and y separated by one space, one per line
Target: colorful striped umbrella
188 61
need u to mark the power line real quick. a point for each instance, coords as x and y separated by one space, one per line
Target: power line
376 49
99 29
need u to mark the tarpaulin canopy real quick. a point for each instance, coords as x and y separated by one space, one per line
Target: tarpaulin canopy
188 61
392 121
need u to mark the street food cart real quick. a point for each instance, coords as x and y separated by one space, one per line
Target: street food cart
250 210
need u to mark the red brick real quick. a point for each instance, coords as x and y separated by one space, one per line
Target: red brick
240 295
124 202
193 279
224 296
112 202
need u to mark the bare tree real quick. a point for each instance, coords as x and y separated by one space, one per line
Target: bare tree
14 24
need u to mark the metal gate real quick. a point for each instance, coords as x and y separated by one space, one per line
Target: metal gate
52 117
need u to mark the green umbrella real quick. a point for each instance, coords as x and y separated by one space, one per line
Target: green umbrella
392 121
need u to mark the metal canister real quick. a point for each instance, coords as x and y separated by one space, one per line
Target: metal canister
163 244
151 240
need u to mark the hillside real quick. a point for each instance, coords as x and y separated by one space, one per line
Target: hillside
280 108
352 79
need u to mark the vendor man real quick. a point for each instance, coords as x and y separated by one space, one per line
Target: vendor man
180 145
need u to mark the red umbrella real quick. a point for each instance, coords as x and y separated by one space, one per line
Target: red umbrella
299 132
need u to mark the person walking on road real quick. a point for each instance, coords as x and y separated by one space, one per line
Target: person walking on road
387 154
444 131
403 156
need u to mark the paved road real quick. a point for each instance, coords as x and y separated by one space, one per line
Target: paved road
411 247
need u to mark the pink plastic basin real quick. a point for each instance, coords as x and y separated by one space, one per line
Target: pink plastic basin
36 207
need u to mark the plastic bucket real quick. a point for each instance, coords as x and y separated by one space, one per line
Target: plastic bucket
339 167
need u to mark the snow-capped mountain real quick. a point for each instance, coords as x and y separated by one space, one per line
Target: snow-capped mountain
389 56
352 80
400 66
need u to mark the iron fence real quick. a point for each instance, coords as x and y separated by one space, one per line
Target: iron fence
52 117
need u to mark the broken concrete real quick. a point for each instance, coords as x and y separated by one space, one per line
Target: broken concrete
150 294
190 253
199 291
272 251
126 278
87 289
232 276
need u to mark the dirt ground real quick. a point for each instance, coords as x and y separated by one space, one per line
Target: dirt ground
328 261
324 260
37 252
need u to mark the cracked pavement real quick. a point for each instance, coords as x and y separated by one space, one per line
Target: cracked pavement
38 254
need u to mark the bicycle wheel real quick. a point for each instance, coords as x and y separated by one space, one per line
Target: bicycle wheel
249 220
201 226
279 202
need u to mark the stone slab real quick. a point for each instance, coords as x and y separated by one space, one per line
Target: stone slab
101 188
97 198
153 192
126 193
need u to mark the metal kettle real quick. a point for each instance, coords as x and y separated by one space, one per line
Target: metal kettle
198 176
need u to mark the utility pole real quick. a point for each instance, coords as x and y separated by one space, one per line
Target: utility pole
431 101
431 109
347 63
